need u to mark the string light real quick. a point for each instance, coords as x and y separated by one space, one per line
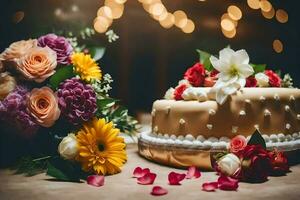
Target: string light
282 16
265 5
277 46
18 17
270 14
234 12
254 4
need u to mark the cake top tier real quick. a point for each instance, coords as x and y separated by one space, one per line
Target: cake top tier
224 77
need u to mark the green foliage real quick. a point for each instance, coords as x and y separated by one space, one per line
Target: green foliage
60 75
64 170
258 68
257 139
29 166
97 52
204 59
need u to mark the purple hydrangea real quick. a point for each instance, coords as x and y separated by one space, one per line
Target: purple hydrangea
77 101
13 110
59 44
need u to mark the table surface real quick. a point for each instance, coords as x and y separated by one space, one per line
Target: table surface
123 187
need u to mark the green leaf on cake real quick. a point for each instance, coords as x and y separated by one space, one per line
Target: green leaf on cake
257 139
60 75
204 59
97 52
258 68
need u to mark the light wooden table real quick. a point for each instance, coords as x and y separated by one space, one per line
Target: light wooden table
123 187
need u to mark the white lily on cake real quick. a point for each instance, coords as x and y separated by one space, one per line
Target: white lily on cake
234 68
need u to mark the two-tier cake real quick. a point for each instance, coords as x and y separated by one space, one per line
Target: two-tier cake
208 108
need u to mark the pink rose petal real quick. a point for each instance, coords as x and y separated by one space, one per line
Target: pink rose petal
95 180
147 179
227 183
158 191
139 172
210 186
193 172
175 178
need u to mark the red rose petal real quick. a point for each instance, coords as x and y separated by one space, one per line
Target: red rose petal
210 186
193 172
95 180
139 172
175 178
158 191
227 183
147 179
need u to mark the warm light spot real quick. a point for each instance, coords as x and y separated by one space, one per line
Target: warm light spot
282 16
229 34
120 1
168 22
254 4
227 25
226 16
189 27
18 17
277 46
270 14
163 16
180 18
101 24
234 12
157 9
265 5
105 11
116 8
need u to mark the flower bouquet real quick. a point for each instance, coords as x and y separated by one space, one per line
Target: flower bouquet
57 98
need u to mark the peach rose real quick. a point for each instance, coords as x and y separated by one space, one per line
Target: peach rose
43 106
7 84
38 64
17 49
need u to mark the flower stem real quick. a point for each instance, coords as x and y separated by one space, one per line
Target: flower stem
42 158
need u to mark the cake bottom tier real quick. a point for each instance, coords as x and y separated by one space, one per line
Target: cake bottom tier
185 153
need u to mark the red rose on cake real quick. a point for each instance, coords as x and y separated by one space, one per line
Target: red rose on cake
274 79
179 91
211 79
279 163
195 75
251 81
256 164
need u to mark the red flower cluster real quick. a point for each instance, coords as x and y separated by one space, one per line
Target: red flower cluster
195 75
274 79
251 81
179 91
279 163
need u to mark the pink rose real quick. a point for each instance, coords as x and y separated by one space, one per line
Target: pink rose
237 143
274 79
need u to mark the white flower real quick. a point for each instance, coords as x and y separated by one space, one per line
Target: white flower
169 94
262 79
68 147
234 68
229 164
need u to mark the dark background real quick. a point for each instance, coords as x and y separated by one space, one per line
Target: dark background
148 59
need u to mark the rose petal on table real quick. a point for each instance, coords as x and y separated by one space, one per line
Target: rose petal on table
193 172
158 191
147 179
227 183
210 186
140 172
95 180
175 178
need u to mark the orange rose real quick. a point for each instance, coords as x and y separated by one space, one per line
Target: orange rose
7 84
17 50
43 106
38 64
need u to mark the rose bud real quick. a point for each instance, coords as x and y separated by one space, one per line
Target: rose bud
68 147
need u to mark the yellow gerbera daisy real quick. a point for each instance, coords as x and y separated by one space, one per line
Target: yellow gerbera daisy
86 67
101 150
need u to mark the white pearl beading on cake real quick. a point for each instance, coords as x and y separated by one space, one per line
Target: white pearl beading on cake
280 141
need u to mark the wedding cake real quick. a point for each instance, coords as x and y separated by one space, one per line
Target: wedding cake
213 104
